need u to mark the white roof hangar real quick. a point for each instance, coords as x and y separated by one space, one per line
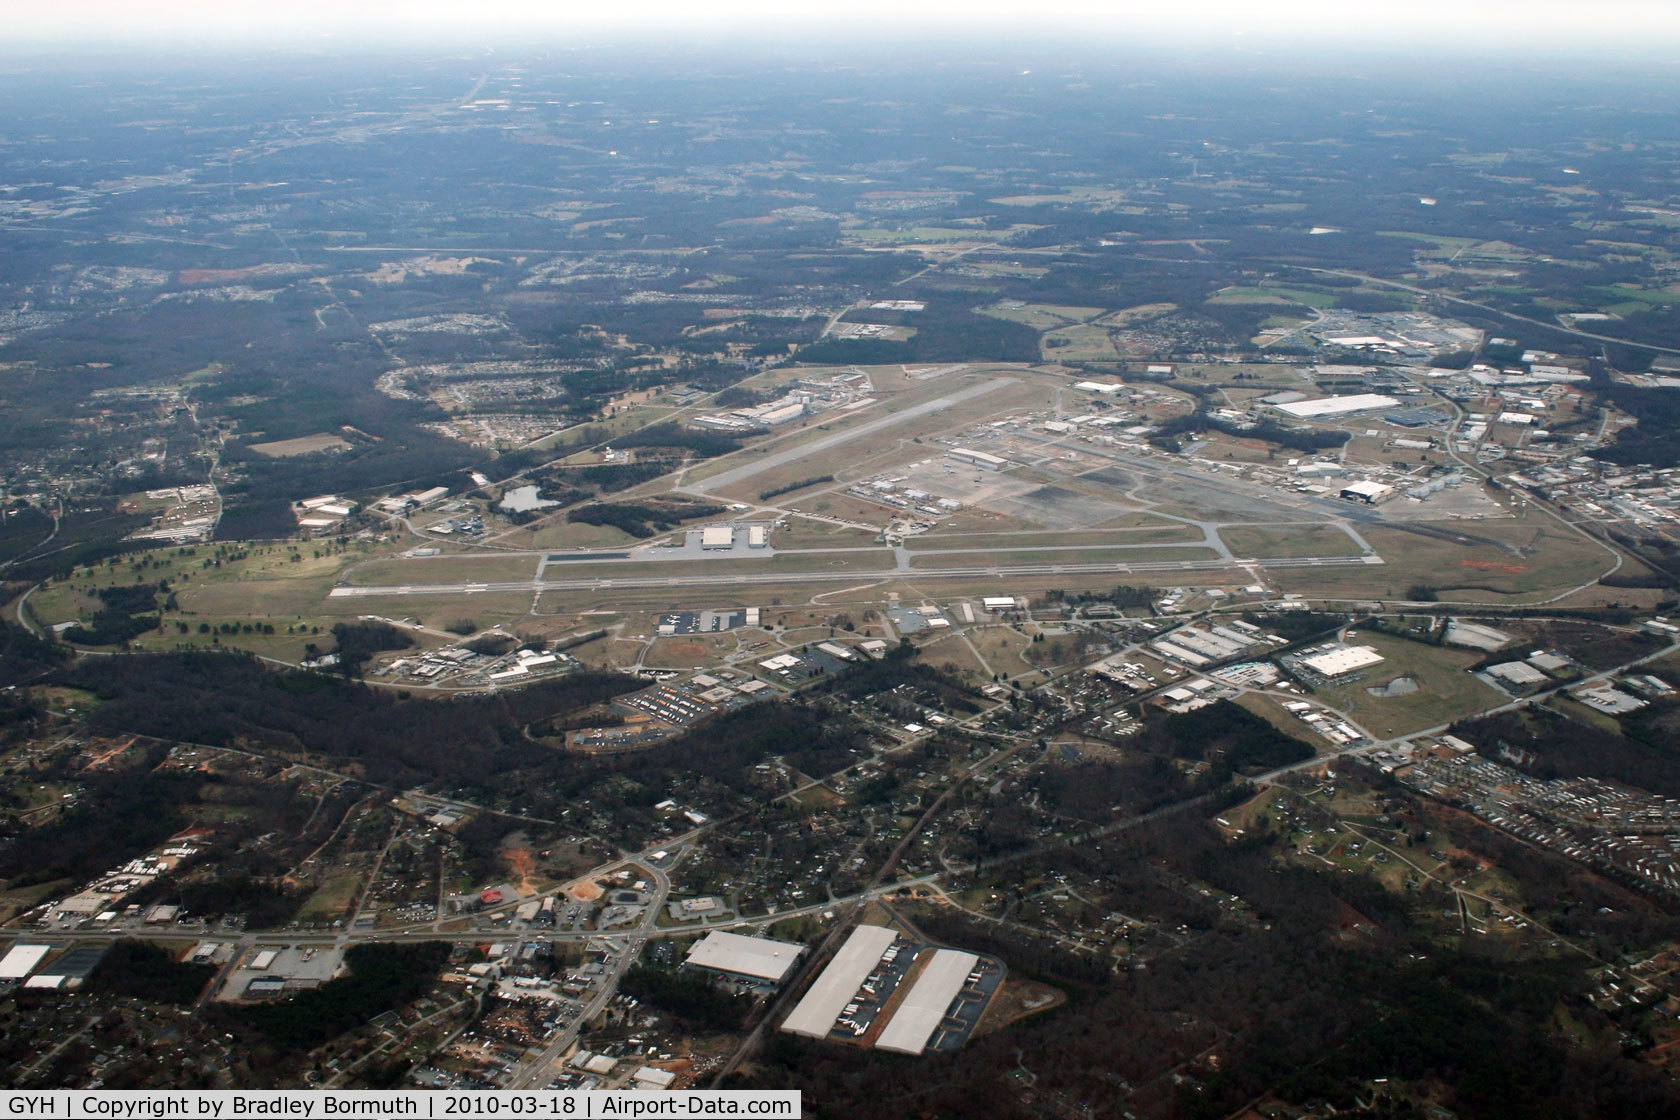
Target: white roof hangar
757 958
919 1015
1335 406
815 1014
1338 662
1366 491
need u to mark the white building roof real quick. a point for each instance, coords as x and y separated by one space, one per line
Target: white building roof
917 1017
1365 488
814 1016
717 536
22 960
1332 406
1517 672
745 956
1339 661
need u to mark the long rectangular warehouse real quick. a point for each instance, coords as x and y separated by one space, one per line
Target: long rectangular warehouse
1336 406
917 1017
21 960
815 1015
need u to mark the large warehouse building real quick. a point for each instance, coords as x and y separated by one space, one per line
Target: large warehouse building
816 1013
924 1008
1336 406
1340 662
757 960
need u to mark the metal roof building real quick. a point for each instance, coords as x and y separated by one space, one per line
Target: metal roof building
1339 661
21 960
919 1015
1335 406
756 958
815 1015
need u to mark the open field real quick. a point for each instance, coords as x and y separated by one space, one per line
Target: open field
1293 540
302 445
559 534
331 898
1042 316
952 653
1001 646
1445 691
1160 532
1079 343
1518 559
1143 553
476 568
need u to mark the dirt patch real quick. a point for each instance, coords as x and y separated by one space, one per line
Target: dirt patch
1015 1000
1502 567
586 891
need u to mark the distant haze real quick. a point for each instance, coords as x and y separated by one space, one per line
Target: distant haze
1490 28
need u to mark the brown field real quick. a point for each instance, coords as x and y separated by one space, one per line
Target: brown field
302 445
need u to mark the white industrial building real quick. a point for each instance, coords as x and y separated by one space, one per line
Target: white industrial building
717 536
1340 662
1518 673
1336 406
21 961
756 959
815 1015
924 1008
978 458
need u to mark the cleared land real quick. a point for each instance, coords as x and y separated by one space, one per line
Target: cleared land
302 445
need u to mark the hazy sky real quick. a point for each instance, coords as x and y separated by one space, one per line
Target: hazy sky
1497 26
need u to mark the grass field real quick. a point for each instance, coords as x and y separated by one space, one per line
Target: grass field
1295 540
953 654
1445 691
331 898
479 568
301 445
1141 554
1547 560
1161 532
1001 646
558 534
1079 343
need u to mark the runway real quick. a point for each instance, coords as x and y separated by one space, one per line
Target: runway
806 449
737 579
